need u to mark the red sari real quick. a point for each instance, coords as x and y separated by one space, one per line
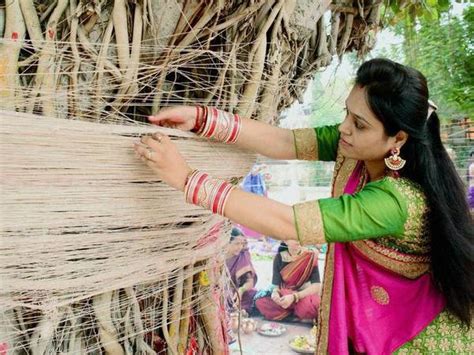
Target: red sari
294 275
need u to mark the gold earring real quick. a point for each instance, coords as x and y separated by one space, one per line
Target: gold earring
394 162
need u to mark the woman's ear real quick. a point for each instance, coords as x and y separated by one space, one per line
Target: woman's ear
400 139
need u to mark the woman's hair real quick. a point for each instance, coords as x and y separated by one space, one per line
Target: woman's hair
282 247
235 232
398 96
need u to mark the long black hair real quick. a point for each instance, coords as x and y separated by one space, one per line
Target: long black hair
398 96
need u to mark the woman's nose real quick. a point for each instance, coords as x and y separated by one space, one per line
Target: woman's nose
344 127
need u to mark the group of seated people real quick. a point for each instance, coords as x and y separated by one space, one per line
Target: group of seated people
295 289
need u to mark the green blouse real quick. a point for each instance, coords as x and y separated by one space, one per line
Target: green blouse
390 212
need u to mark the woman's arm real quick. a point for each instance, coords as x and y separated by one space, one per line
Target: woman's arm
265 139
261 214
259 137
314 288
377 210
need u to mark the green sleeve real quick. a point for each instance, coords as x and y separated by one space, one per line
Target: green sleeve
328 140
377 210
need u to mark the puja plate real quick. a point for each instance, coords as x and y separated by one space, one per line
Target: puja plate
271 329
302 345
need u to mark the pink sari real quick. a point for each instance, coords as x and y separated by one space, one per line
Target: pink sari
373 310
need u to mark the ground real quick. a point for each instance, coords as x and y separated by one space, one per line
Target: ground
254 343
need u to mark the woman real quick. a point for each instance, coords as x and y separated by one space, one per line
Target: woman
242 272
398 274
296 284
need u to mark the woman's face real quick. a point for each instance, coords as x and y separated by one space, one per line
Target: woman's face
362 134
236 245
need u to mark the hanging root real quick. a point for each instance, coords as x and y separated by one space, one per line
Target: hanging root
14 34
176 310
211 320
107 332
186 310
247 101
41 340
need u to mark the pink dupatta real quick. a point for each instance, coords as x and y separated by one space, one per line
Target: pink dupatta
375 309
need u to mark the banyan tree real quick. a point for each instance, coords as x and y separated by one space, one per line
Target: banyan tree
97 255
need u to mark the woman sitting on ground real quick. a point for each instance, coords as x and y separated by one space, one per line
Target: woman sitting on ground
242 272
297 284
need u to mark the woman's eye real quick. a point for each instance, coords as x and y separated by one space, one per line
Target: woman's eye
358 125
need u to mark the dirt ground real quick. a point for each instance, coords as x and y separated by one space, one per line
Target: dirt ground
254 343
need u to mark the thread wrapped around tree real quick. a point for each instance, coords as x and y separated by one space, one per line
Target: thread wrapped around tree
98 256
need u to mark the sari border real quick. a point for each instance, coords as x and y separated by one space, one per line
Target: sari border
325 305
342 171
410 266
306 144
309 223
288 270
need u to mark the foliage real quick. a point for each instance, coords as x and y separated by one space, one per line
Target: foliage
442 48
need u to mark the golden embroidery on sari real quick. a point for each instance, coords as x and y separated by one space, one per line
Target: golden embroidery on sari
342 171
323 318
415 239
444 335
306 144
309 223
410 266
380 295
407 255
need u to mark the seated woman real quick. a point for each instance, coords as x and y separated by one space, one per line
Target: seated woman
297 284
242 272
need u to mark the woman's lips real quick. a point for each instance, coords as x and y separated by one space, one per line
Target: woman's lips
343 142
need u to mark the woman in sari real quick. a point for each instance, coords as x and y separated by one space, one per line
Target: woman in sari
398 274
242 272
296 284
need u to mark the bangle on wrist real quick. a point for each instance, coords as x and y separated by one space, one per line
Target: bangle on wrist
296 297
200 119
202 190
220 125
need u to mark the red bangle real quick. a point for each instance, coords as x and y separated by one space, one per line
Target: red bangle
202 190
217 124
200 119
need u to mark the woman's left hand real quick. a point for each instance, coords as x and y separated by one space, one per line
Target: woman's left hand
163 157
286 301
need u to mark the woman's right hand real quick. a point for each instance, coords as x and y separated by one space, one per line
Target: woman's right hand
178 117
276 297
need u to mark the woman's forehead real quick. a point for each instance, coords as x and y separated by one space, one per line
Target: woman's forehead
356 102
